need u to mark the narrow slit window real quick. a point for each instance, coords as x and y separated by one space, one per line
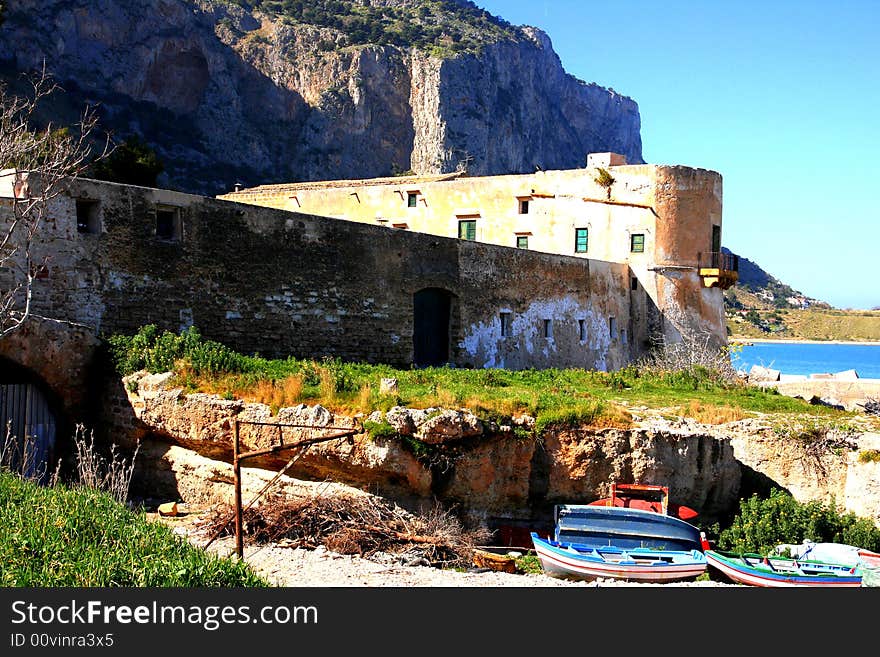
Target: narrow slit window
637 242
505 324
612 327
548 328
582 329
634 284
467 229
581 240
522 241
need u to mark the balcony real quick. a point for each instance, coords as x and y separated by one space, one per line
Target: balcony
718 269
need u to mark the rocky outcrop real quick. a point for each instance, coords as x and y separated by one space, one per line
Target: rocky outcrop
498 473
226 94
485 469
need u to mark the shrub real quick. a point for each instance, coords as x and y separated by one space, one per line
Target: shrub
762 524
379 429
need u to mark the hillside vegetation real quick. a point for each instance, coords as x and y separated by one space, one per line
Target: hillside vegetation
809 324
442 27
761 306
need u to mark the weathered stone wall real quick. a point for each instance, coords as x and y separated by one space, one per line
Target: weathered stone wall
279 283
673 208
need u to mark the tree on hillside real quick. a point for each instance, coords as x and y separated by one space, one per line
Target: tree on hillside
133 162
36 165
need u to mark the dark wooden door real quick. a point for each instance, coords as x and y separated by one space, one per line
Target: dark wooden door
431 314
27 430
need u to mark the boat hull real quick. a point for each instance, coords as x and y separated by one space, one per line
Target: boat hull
624 528
749 570
586 562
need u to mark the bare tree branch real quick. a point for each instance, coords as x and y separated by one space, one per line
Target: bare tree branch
36 165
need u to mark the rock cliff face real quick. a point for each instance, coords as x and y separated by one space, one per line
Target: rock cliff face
229 94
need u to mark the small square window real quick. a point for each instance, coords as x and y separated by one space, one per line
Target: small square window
411 199
88 219
581 240
467 229
505 324
167 223
522 241
524 206
637 242
548 328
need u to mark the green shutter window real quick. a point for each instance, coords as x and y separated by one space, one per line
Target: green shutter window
580 240
411 199
467 229
522 241
637 242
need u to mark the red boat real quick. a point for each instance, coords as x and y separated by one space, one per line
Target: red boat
647 497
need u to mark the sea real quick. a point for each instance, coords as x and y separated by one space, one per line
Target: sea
809 358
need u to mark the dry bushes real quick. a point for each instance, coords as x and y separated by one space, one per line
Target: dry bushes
695 352
355 525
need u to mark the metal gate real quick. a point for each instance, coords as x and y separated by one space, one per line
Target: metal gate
27 430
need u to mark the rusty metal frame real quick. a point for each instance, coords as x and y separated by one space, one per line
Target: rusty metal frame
238 456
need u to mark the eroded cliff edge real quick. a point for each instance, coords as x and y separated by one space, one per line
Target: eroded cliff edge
230 94
497 474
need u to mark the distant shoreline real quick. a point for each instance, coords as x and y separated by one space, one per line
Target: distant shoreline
798 341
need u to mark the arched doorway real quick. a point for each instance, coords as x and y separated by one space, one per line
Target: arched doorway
28 423
432 311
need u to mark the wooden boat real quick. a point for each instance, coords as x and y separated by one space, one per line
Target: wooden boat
629 544
648 497
869 559
623 528
840 553
588 562
759 570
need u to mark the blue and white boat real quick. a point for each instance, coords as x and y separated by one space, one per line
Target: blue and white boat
620 543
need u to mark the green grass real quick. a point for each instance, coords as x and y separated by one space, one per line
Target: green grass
82 537
552 396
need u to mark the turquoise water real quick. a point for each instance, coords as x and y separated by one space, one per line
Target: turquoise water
808 359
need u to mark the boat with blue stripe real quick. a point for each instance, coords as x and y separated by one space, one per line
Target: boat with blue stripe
589 562
767 571
620 543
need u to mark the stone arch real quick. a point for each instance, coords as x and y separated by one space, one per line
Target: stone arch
31 420
47 368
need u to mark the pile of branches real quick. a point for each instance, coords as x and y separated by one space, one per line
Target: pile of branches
871 406
355 525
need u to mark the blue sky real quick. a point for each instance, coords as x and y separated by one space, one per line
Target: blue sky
781 97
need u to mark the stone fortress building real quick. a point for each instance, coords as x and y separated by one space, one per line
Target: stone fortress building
663 222
544 270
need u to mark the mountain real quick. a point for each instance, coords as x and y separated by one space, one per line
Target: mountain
756 289
258 92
